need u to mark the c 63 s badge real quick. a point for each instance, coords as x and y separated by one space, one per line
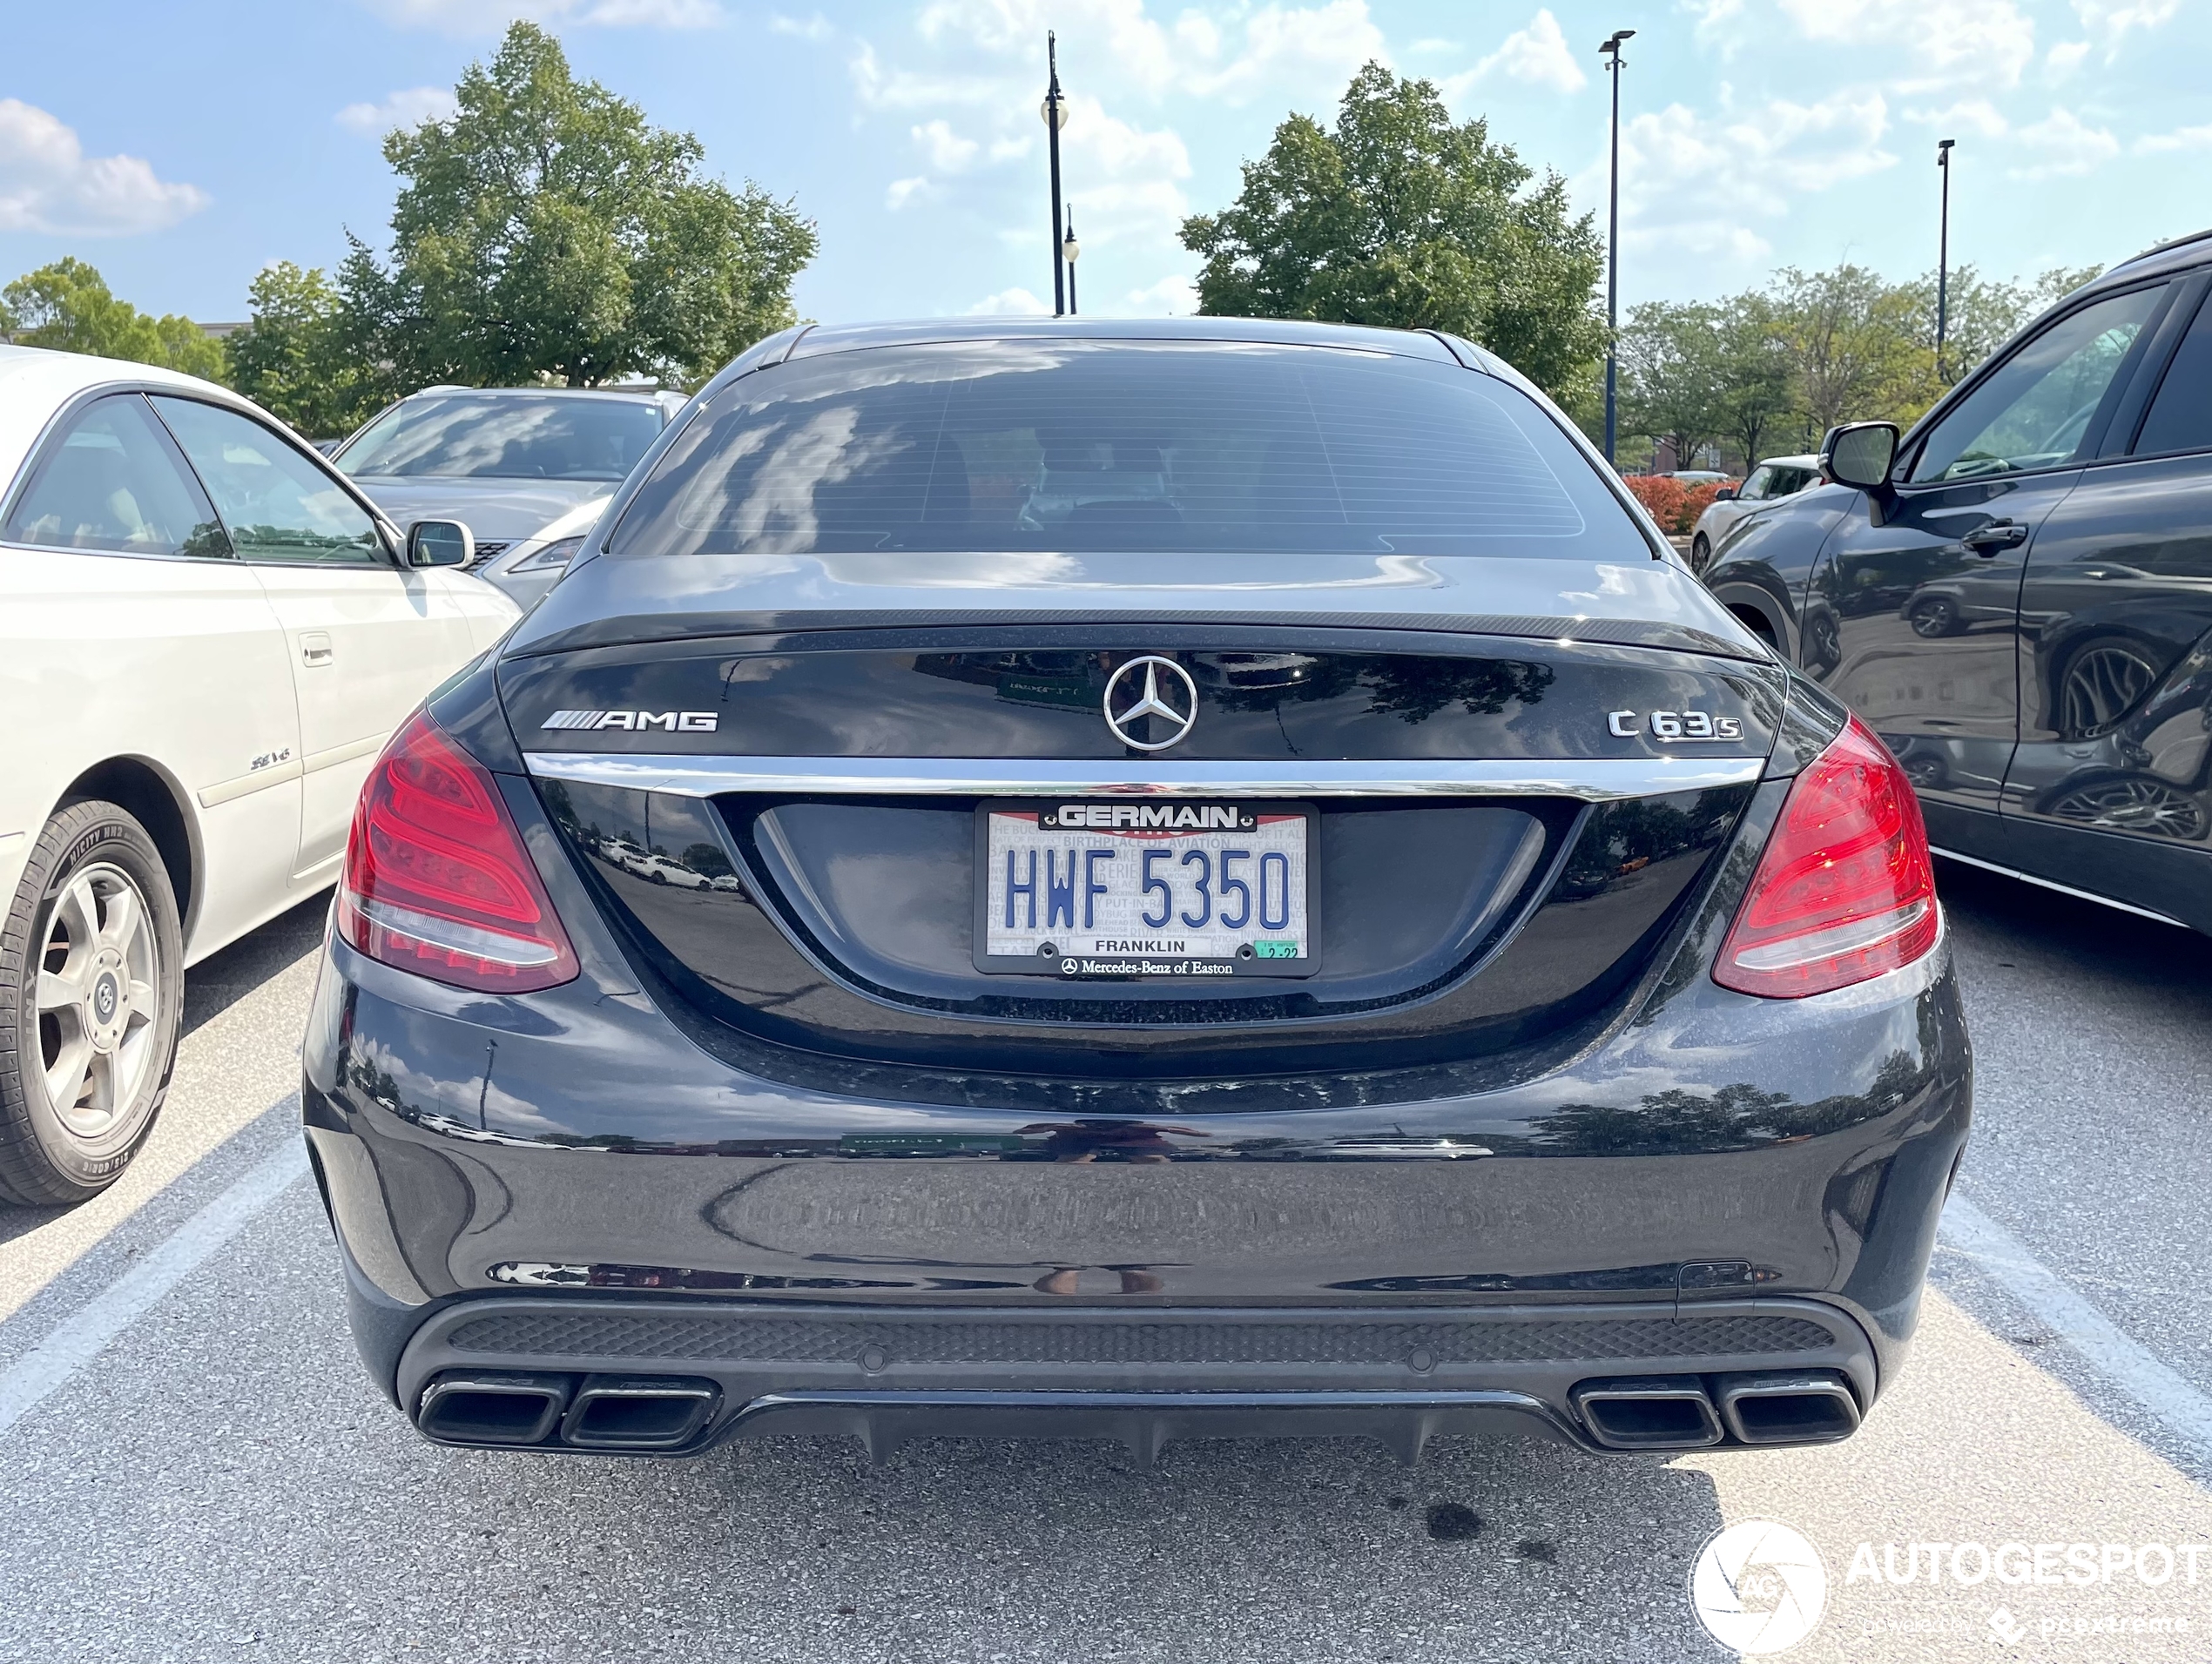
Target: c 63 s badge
688 721
1669 727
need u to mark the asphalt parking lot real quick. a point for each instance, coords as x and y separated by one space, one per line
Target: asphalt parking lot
193 1466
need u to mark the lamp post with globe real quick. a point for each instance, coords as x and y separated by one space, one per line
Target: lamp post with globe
1069 249
1054 111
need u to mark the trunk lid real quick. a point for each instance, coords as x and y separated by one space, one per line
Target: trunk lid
778 811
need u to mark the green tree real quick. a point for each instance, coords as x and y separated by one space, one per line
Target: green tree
548 232
1400 218
1673 377
68 306
297 358
1756 395
1982 314
1853 345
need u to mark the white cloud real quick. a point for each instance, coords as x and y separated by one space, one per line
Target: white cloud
947 152
2064 58
2111 21
1272 50
1942 40
1769 157
1010 303
1138 173
1175 295
2181 138
48 184
1976 116
1538 55
816 28
2062 145
1298 50
408 108
905 191
490 17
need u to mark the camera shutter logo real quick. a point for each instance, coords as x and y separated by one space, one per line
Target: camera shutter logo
1758 1587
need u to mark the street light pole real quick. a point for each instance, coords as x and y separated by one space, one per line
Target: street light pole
1943 252
1054 110
1069 248
1611 52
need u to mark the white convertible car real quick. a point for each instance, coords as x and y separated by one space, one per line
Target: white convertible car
206 634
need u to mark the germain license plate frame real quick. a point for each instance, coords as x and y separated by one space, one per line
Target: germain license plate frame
1267 825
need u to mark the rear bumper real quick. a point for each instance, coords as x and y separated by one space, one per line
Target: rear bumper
1145 1378
576 1155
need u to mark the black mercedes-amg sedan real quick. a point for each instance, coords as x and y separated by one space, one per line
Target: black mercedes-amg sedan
1134 880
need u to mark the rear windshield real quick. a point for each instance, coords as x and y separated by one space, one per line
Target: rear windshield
1096 447
509 437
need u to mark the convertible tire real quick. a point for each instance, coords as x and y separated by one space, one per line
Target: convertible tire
91 1002
1701 554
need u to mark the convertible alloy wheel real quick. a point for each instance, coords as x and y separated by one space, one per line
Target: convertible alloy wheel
91 1002
98 999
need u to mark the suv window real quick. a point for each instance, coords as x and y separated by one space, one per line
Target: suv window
2035 409
279 506
113 481
2181 416
506 437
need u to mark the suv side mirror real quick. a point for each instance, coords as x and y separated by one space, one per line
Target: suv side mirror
440 543
1860 453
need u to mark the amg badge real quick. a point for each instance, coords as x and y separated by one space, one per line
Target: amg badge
689 721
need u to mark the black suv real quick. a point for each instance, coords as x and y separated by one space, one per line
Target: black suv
2017 594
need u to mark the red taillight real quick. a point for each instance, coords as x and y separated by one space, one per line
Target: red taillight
437 881
1845 890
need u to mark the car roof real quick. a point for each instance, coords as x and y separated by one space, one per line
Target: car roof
1787 461
1281 332
2176 255
635 396
37 381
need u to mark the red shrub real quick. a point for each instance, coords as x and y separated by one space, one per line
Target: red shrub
1674 505
1659 493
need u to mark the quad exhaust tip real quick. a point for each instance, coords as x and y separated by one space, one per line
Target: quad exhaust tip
609 1412
1794 1407
1657 1412
1679 1412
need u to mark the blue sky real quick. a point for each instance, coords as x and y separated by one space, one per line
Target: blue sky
181 147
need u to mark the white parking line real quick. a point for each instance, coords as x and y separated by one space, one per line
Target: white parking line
89 1331
2160 1389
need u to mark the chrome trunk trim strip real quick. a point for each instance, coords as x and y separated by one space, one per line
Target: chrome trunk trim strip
1591 780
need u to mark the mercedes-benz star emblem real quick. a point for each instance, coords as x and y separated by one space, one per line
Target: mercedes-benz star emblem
1150 703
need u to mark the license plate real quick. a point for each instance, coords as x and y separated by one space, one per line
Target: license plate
1182 890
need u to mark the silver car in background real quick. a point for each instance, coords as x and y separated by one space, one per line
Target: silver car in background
1774 479
505 461
525 570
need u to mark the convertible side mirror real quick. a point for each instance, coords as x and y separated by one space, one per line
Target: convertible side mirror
440 543
1859 453
1726 493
